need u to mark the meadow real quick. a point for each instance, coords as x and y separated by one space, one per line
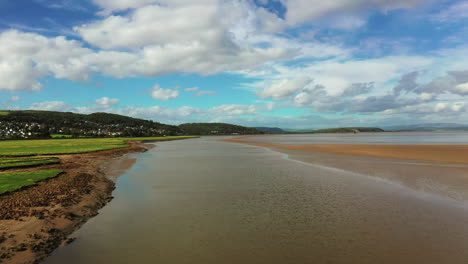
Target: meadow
10 181
13 148
26 153
17 162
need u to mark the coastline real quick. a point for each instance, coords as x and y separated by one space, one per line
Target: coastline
37 220
419 167
452 154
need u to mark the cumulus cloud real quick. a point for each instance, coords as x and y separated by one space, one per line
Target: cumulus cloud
407 83
221 113
462 88
336 75
297 13
106 102
205 93
454 82
159 93
358 89
51 106
155 25
160 114
233 109
156 40
282 89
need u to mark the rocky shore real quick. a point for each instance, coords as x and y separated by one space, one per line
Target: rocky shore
36 220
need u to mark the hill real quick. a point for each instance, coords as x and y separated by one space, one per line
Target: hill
349 130
43 124
270 129
217 129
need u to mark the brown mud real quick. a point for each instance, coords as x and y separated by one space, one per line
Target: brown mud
454 154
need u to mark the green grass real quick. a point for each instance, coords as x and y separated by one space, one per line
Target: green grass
158 138
60 136
3 113
67 146
11 181
17 162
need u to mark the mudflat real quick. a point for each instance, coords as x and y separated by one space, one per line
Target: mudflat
205 201
457 154
439 169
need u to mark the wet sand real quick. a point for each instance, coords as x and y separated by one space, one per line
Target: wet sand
436 169
204 201
457 154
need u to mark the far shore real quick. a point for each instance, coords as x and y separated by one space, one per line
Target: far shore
455 154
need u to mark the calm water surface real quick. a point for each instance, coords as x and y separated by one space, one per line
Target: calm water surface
202 201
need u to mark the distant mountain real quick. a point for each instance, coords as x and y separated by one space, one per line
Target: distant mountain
43 124
217 129
429 127
270 129
349 130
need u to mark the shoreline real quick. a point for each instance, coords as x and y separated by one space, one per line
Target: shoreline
423 170
37 220
450 154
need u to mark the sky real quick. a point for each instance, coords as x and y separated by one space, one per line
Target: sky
279 63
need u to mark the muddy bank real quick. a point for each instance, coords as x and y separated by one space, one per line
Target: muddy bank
455 154
35 221
432 169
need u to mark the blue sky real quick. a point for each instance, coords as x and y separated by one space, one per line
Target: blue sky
286 63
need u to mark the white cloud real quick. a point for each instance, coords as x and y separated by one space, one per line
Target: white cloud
26 57
285 88
154 25
462 88
191 89
233 109
204 93
345 22
167 39
426 96
458 106
300 11
334 75
159 93
199 92
51 106
106 102
454 12
110 6
160 114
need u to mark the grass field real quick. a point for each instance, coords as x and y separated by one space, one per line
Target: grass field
67 146
3 113
23 153
16 162
11 181
60 136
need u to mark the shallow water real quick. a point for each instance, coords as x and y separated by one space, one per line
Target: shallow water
202 201
400 138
